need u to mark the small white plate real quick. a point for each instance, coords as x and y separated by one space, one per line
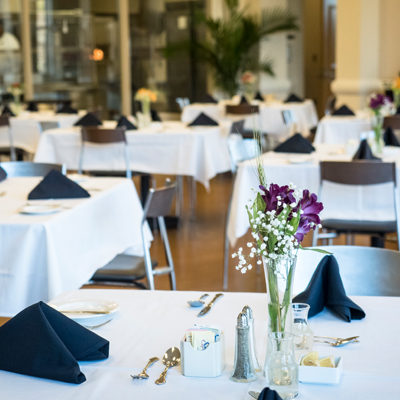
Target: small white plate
40 209
299 160
98 305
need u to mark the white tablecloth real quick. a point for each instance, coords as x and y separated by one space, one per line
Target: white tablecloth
63 120
42 256
192 111
338 129
148 323
170 149
340 201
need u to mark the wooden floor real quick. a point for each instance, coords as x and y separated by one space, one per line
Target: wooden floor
198 245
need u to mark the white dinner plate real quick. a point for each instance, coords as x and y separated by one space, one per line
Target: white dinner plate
98 305
40 209
299 160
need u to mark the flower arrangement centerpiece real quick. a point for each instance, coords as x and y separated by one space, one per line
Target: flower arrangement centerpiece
280 217
16 89
248 79
381 107
145 96
396 92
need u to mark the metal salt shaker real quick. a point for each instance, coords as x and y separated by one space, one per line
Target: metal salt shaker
249 313
243 369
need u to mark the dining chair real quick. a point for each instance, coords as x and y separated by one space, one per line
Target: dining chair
365 271
27 168
393 122
92 134
8 150
358 173
46 125
126 269
26 134
239 150
330 105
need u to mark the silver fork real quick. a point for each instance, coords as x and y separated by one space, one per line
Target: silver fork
96 326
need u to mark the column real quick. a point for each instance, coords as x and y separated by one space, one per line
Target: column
126 86
27 50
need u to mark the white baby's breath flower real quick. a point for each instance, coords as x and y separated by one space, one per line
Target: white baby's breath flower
259 262
249 267
234 255
263 246
249 244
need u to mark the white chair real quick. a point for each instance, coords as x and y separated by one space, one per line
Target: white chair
365 271
26 134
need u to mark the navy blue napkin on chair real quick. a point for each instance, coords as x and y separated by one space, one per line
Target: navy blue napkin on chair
258 97
238 127
7 112
123 121
203 120
243 100
41 342
268 394
67 109
390 138
296 144
154 116
326 290
88 120
343 111
208 99
364 152
3 174
32 106
293 99
55 185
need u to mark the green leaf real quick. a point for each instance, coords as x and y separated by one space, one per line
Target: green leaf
260 203
315 249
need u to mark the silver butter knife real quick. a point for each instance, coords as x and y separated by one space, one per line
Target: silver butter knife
207 308
254 394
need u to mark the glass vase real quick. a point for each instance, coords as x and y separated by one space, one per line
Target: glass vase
144 117
377 127
282 370
303 334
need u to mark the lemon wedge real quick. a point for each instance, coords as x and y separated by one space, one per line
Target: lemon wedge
328 362
310 359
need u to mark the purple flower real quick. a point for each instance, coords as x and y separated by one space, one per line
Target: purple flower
310 208
378 100
302 230
271 195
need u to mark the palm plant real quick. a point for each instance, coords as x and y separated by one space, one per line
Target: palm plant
232 47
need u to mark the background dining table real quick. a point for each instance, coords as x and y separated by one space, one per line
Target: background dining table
340 201
150 322
45 255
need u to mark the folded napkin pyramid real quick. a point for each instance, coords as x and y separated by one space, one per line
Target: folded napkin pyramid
208 99
343 110
238 127
67 109
123 121
243 100
57 186
364 152
268 394
7 112
203 120
326 290
295 144
88 120
293 99
258 97
3 174
390 138
32 106
41 342
154 116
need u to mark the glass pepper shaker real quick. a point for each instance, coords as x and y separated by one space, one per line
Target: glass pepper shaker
243 369
249 313
301 329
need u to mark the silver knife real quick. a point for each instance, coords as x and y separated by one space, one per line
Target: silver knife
207 308
254 394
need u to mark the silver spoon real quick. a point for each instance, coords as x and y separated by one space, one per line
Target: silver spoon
340 342
197 303
171 358
254 394
143 374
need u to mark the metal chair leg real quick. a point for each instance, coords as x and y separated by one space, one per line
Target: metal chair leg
168 255
179 196
193 197
226 263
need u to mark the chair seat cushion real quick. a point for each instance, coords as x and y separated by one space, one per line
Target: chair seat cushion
123 268
355 226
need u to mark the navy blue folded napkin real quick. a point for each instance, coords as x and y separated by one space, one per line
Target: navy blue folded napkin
238 127
41 342
243 100
32 106
67 109
7 112
390 138
208 99
258 97
55 185
296 144
268 394
203 120
3 174
293 99
364 152
123 121
154 116
326 290
343 110
88 120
